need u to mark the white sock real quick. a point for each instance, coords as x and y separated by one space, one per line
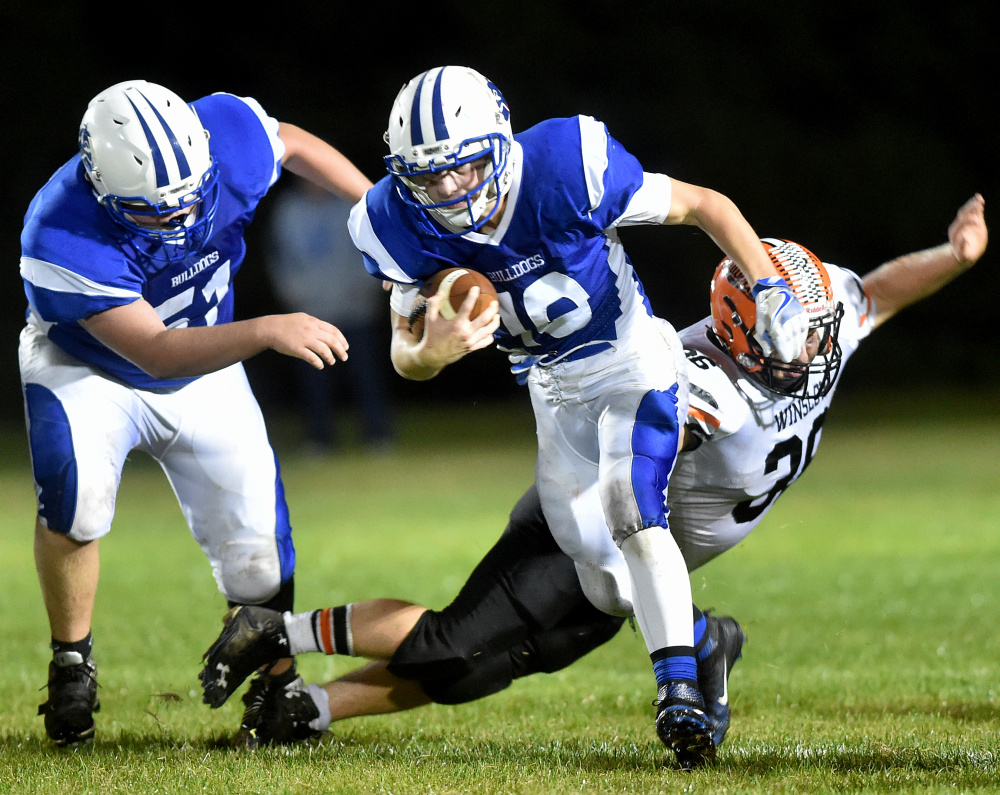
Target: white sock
322 701
301 639
327 630
661 589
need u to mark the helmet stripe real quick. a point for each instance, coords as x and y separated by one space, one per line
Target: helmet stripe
182 163
437 108
159 165
416 132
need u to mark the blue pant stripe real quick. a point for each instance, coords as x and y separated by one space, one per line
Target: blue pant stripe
654 450
53 458
283 527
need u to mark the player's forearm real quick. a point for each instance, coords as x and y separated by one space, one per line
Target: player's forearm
722 220
136 333
192 352
905 280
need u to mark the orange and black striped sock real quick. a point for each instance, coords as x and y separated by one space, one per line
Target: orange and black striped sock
327 631
332 630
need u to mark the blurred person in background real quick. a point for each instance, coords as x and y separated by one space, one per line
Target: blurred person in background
315 268
128 255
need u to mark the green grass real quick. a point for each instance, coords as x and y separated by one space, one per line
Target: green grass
868 595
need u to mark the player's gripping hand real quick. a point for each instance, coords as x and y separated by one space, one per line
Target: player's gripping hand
782 325
306 337
446 341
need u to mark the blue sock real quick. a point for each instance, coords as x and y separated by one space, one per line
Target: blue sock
699 633
674 662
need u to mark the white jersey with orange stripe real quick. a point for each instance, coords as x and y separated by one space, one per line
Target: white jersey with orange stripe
753 443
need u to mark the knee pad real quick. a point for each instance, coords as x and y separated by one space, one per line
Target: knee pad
633 486
450 664
249 571
618 499
633 493
449 675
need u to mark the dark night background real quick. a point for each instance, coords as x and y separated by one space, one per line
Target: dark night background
856 129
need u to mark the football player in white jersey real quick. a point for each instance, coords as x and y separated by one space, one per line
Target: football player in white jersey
128 258
753 424
537 214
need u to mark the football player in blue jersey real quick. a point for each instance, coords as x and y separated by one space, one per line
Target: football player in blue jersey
128 258
752 427
537 213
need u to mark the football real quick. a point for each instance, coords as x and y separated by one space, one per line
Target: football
455 283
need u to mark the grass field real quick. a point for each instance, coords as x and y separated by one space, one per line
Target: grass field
869 597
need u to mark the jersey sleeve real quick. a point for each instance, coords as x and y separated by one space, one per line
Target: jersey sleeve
60 295
388 240
612 175
402 298
650 204
859 308
243 139
71 265
715 408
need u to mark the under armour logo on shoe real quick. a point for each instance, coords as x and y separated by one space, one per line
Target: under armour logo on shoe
223 670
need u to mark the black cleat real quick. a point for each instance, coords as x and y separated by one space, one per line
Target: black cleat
278 712
725 639
69 711
252 638
683 726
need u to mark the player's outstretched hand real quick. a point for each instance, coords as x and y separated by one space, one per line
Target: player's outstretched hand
306 337
446 341
968 234
782 325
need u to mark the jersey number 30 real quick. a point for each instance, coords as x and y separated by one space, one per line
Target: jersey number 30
790 448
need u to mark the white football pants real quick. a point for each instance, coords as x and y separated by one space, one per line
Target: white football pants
608 428
209 438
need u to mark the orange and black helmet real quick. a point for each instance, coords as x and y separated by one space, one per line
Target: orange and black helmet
734 316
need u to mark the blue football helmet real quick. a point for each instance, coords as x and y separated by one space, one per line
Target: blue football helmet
442 119
146 155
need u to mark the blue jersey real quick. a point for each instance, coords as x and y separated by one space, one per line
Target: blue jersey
565 286
76 261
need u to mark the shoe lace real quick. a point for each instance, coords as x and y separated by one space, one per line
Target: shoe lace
255 700
82 672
